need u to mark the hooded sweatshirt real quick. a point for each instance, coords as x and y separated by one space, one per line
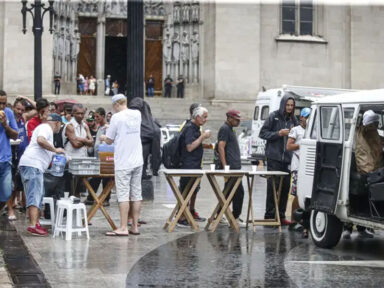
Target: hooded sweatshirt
276 145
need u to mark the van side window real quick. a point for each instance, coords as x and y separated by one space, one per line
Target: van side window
256 113
348 116
314 126
330 123
264 112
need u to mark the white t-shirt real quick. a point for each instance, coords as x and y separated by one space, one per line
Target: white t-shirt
124 129
296 133
35 155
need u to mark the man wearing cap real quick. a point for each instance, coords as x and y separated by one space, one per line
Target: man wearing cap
35 160
8 130
124 132
229 154
275 131
293 144
368 149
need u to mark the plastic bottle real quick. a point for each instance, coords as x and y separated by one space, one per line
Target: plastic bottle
58 165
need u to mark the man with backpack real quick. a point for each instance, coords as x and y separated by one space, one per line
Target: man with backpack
191 156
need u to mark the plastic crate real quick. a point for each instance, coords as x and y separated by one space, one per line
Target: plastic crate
84 166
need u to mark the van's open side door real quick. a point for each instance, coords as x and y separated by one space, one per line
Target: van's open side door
329 156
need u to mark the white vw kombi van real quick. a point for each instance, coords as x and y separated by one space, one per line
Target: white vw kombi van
329 186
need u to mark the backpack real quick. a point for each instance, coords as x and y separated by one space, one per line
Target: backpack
171 153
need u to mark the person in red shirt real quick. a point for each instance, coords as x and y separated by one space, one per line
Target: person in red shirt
42 107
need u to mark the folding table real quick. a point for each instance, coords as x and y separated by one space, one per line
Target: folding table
276 196
183 197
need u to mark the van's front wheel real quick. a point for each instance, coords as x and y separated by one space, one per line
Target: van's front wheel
325 229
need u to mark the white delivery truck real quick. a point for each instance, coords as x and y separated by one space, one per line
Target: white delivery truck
269 100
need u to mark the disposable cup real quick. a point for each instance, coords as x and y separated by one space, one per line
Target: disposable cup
254 168
66 195
226 168
212 167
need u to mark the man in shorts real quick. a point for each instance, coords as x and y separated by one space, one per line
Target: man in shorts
33 163
124 132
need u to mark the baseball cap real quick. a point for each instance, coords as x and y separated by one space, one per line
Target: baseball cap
305 112
234 114
118 97
370 117
90 119
54 117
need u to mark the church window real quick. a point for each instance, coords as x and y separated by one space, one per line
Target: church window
297 17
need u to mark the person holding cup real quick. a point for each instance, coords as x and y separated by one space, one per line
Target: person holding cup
33 163
191 143
275 131
230 159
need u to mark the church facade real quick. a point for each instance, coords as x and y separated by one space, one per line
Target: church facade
225 51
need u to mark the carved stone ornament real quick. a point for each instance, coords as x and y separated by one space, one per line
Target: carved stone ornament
154 8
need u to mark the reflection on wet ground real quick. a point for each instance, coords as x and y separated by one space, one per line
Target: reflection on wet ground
263 259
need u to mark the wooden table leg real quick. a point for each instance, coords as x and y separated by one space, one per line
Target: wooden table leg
250 181
224 203
276 198
218 206
183 202
185 192
99 201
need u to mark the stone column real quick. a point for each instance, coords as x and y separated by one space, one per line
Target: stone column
100 55
135 48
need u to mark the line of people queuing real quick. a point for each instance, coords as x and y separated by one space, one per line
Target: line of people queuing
43 134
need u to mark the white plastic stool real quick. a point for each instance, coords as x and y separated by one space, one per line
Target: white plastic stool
67 227
51 203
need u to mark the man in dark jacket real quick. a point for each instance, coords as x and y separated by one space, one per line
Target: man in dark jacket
275 131
150 136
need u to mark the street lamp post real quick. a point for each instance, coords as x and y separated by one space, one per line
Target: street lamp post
35 10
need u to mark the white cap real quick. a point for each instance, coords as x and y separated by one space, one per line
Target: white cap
370 117
117 97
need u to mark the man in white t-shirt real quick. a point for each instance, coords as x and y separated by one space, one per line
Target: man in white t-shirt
293 144
124 132
32 165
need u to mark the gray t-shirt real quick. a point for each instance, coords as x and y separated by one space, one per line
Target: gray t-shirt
232 149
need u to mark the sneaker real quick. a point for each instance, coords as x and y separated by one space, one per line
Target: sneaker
346 235
106 204
39 226
285 222
183 223
241 223
197 217
223 221
88 202
364 235
37 231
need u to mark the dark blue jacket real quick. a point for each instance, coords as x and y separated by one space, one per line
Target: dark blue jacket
276 145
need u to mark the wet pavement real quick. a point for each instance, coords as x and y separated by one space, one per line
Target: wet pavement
264 258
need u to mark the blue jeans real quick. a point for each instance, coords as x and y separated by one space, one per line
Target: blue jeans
5 181
33 181
150 92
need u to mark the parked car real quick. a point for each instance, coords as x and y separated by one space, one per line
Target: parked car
245 139
329 186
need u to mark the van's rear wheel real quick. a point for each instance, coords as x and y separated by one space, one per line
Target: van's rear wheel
325 229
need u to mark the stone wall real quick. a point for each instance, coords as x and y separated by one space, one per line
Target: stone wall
237 46
310 63
367 47
18 52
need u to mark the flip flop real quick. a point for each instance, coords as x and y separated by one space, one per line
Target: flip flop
134 233
113 233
